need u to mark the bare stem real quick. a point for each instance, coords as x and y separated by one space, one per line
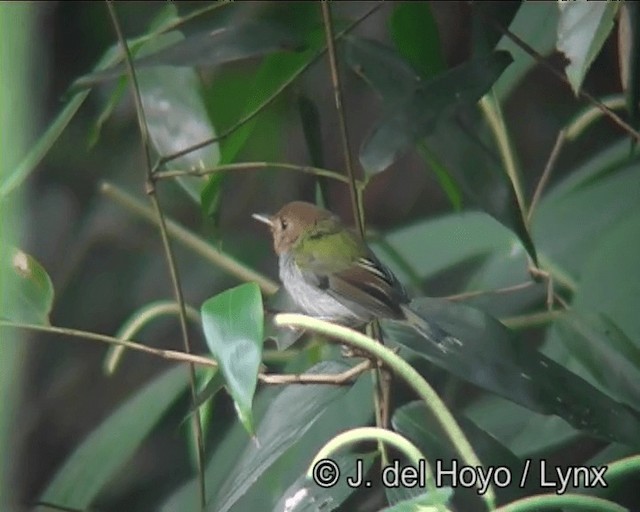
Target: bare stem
175 278
551 162
246 166
344 132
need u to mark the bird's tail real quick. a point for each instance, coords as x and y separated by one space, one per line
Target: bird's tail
429 330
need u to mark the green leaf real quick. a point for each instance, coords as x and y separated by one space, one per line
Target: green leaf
610 282
233 322
97 459
583 28
212 48
414 109
482 351
176 116
275 71
382 69
304 495
418 424
611 358
12 179
415 35
26 291
534 23
287 419
425 502
434 245
524 432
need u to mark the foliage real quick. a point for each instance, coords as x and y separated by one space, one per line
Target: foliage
546 365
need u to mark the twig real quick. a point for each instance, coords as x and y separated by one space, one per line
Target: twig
476 293
175 278
338 379
170 355
246 166
551 163
344 131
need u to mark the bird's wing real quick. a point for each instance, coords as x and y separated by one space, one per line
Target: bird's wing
361 282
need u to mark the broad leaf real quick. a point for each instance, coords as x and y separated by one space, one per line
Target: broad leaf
415 34
482 351
232 322
418 424
583 28
304 495
176 117
288 417
611 358
524 432
534 23
414 109
99 457
26 291
224 44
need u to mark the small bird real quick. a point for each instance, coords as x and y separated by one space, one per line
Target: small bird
331 274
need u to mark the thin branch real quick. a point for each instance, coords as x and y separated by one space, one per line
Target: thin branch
339 379
497 291
551 163
168 158
170 355
531 319
175 278
561 76
191 241
342 121
249 166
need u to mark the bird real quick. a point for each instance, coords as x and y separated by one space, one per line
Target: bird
330 273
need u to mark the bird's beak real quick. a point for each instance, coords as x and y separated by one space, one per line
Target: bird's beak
263 217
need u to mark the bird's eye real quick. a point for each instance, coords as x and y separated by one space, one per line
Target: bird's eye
283 223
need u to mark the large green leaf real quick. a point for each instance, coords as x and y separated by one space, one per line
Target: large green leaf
566 227
535 23
415 34
26 291
233 322
611 358
414 110
434 245
176 116
418 424
275 71
482 351
351 410
524 432
583 28
97 459
288 417
223 44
